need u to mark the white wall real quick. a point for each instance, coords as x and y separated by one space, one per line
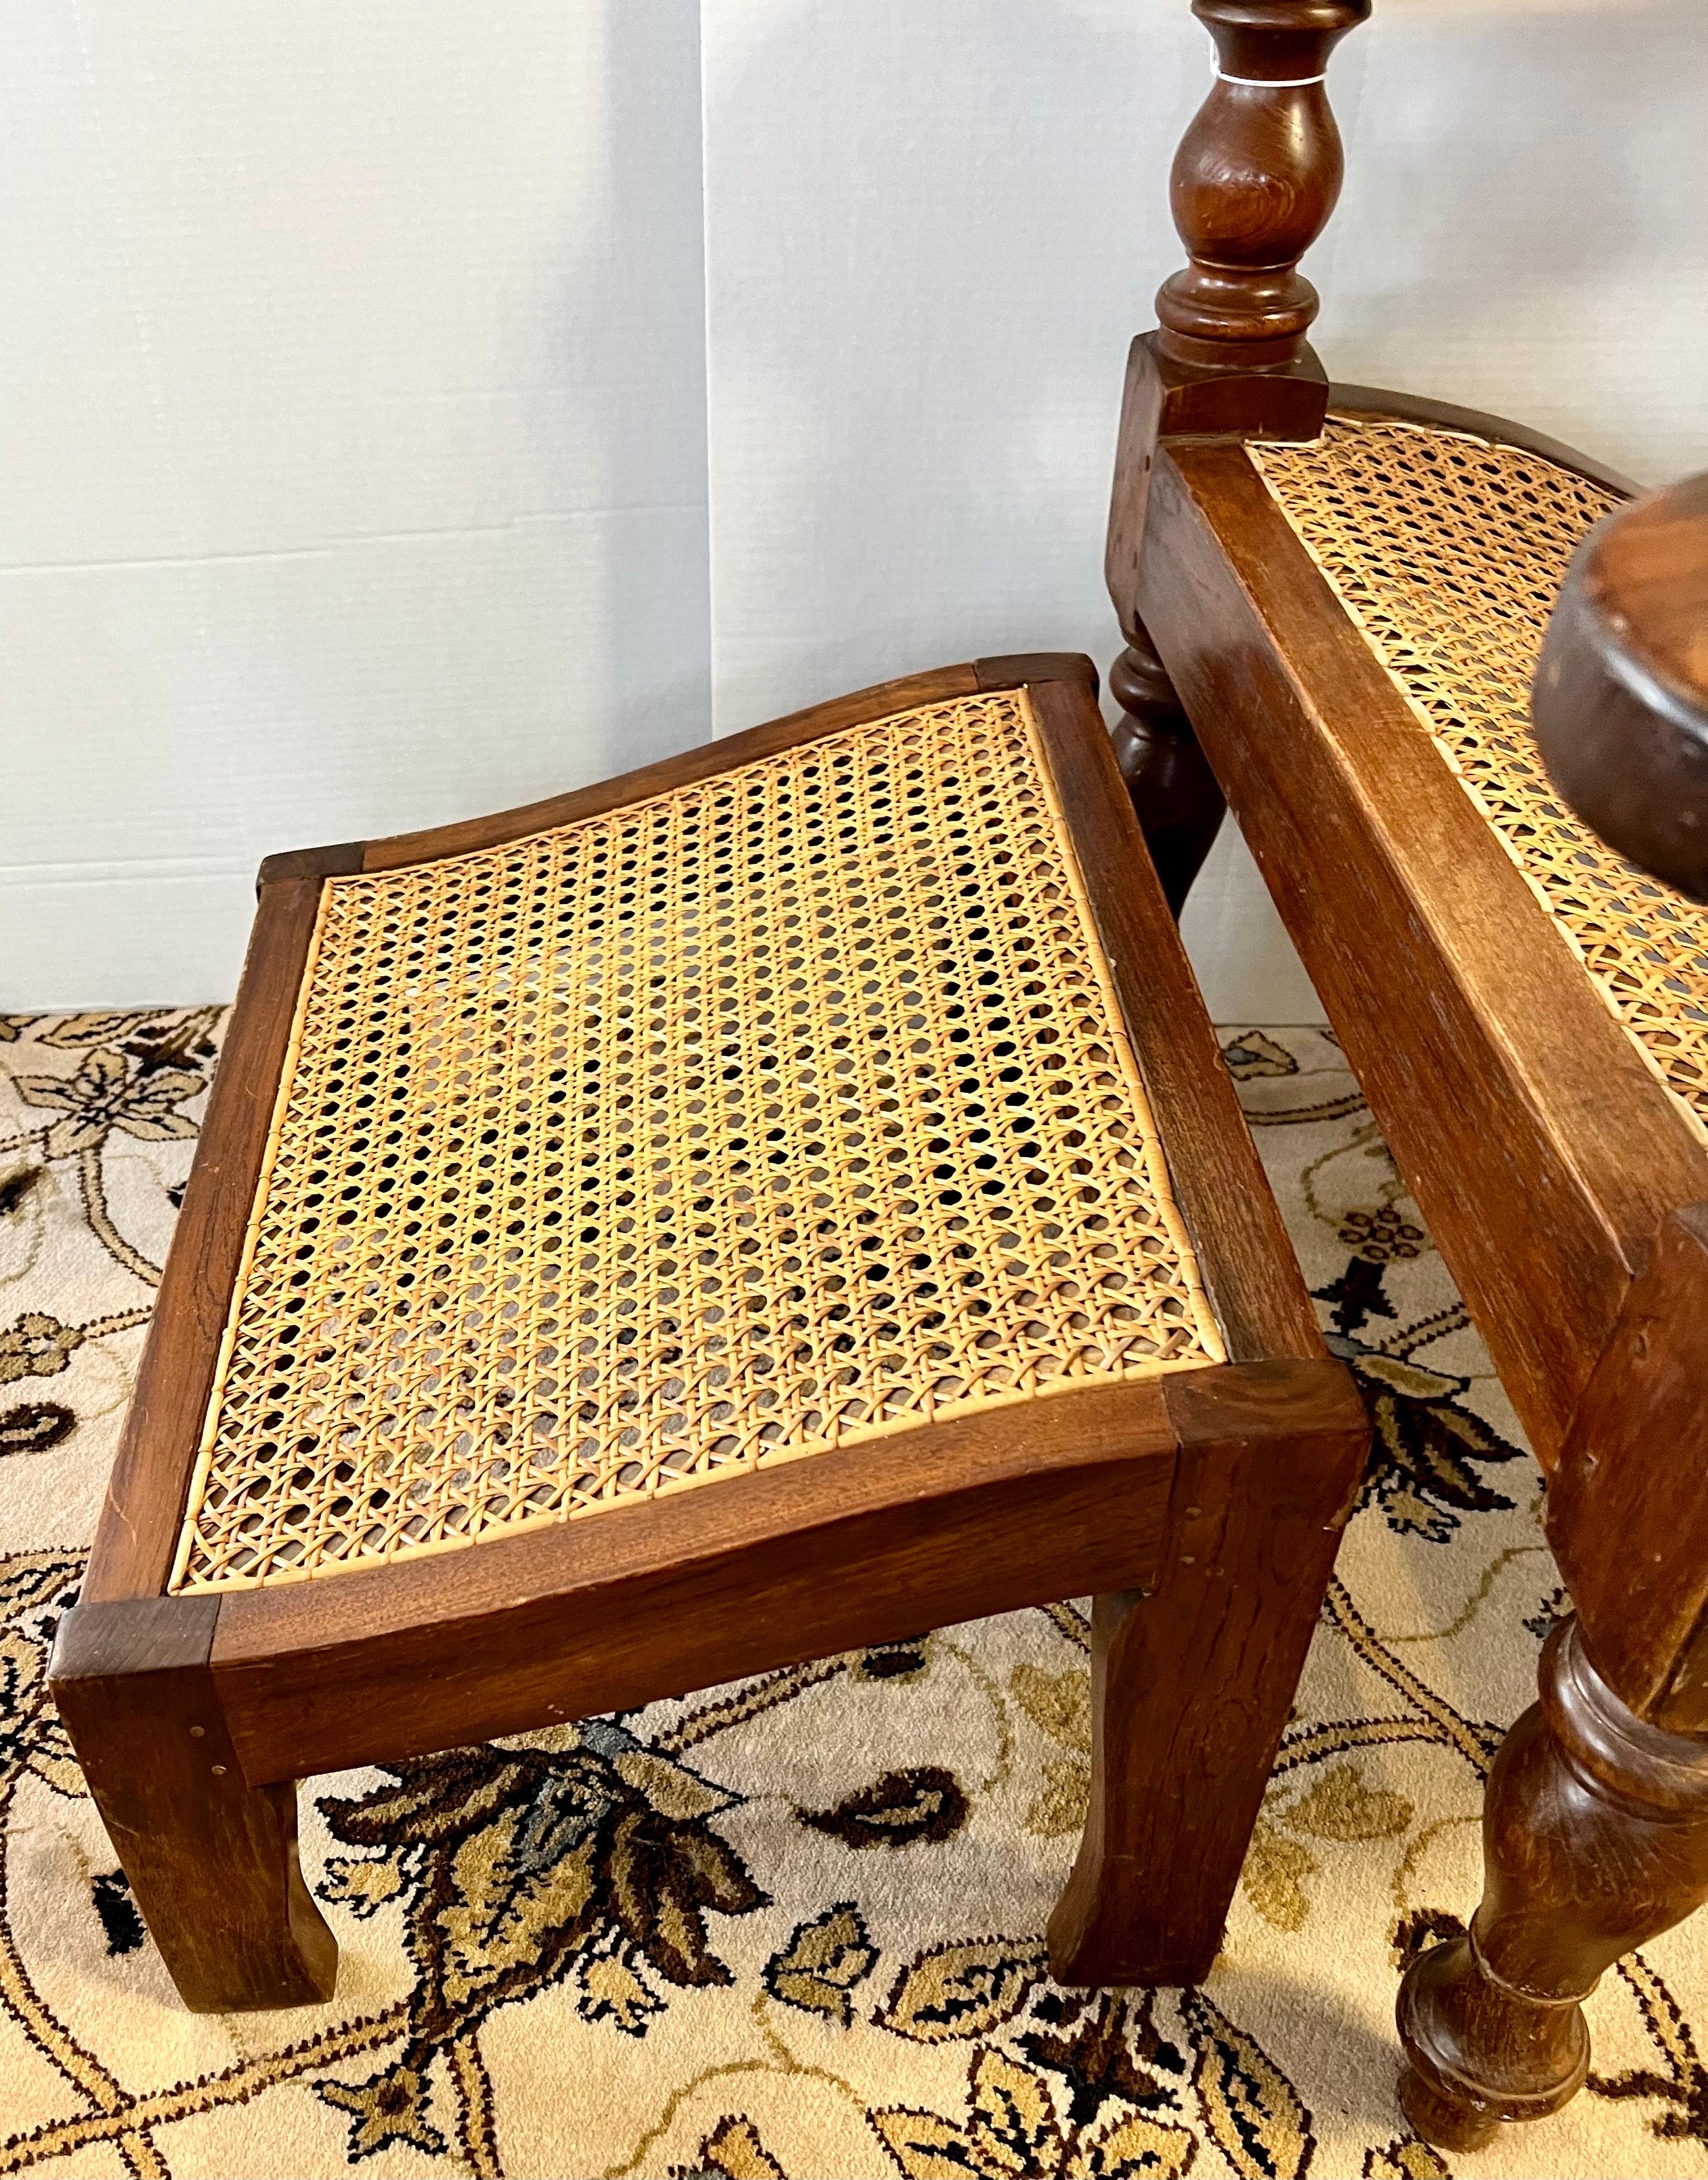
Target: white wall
352 444
931 232
361 375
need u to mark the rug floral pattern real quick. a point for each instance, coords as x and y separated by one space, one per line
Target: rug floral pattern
794 1926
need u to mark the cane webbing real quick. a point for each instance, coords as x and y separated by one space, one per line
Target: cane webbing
783 1110
1448 552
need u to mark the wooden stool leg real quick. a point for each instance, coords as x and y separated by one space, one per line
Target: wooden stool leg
1191 1687
211 1860
1595 1839
1180 807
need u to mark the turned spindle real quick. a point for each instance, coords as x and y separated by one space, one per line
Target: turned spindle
1595 1840
1595 1816
1179 804
1255 180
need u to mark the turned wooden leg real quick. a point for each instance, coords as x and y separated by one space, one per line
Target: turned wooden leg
1192 1684
1180 805
211 1860
1595 1839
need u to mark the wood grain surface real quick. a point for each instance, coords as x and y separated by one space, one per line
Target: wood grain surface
1543 1152
144 1509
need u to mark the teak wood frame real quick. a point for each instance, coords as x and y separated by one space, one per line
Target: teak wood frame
1202 1506
1567 1188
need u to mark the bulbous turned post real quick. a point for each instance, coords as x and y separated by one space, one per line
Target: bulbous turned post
1255 180
1595 1840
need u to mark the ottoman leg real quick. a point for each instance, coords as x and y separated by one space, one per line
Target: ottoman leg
211 1860
1192 1684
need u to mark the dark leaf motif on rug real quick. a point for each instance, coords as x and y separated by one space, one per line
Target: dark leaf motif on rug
1358 1295
1416 1932
822 1963
1254 1052
515 1867
108 1092
36 1588
1405 2158
923 1803
1424 1443
34 1427
904 1660
15 1188
1012 2129
185 1040
104 1026
1683 2085
732 2152
1108 2052
156 1037
962 1990
118 1912
1555 1607
1252 2112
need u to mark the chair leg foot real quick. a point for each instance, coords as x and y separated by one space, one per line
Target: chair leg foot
1191 1687
212 1859
1595 1840
1477 2055
1451 2119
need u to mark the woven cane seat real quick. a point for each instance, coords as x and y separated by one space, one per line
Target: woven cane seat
1449 550
786 1109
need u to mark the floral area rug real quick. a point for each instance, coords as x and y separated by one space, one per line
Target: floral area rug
795 1926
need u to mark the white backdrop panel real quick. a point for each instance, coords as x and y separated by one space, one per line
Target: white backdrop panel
931 232
353 431
352 444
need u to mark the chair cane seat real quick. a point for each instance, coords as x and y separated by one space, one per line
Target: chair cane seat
783 1110
1448 552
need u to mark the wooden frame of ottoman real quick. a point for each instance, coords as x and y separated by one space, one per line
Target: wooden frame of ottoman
1202 1506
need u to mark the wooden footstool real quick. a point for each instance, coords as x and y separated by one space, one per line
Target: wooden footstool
764 1205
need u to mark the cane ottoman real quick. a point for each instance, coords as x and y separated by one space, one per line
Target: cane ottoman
764 1205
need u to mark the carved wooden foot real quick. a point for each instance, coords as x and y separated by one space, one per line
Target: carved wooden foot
211 1860
1192 1684
1595 1839
1180 805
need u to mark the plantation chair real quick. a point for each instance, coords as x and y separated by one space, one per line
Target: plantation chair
762 1206
1334 600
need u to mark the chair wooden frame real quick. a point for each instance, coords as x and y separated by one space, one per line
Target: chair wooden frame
1202 1506
1566 1187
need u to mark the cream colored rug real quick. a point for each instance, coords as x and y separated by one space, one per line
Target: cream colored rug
794 1927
